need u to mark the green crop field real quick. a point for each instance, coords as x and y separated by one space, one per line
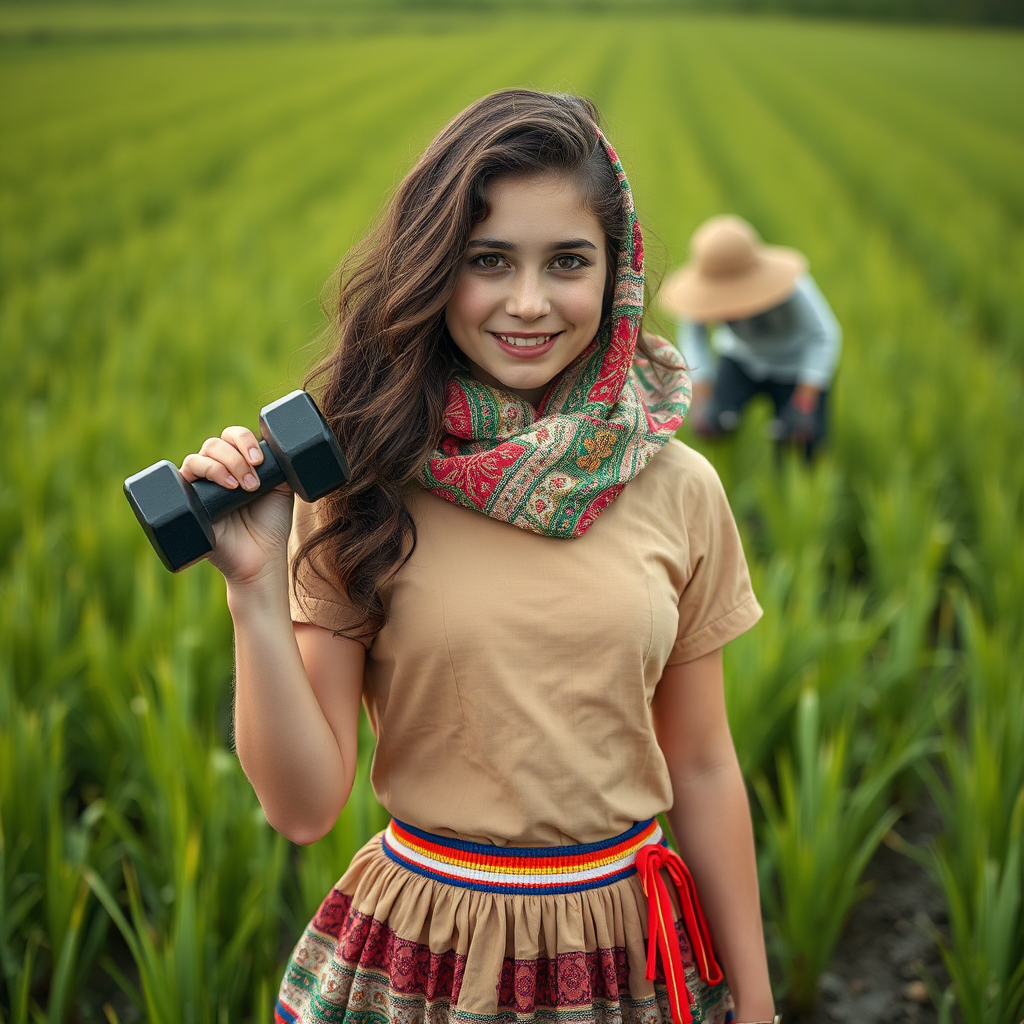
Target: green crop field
175 190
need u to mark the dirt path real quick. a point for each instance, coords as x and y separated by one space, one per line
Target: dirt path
887 948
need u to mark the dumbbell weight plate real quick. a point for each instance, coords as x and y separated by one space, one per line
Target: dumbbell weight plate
178 516
171 514
304 446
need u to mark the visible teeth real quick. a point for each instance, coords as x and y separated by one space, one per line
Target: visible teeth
525 342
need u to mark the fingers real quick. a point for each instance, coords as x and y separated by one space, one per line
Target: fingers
245 441
227 460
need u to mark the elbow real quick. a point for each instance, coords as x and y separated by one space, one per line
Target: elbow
299 831
702 763
302 836
303 826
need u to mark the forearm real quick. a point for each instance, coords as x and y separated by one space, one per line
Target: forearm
816 369
710 819
819 356
284 743
821 333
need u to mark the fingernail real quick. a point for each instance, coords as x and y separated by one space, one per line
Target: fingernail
251 482
232 482
255 455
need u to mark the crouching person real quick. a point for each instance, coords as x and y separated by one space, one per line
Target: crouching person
752 321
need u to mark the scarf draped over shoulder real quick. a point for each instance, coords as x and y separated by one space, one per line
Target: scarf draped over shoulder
554 470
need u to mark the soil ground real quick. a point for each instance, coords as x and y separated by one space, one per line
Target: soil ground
888 947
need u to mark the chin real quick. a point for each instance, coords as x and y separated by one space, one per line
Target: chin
526 383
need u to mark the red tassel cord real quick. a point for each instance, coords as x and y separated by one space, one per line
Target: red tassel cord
661 933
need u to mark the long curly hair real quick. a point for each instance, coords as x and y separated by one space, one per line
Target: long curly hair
382 386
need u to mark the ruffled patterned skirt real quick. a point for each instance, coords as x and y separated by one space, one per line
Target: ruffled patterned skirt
423 929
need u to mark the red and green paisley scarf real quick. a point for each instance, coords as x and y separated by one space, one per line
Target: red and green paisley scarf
554 471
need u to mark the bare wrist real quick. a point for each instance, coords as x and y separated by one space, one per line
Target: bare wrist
805 398
755 1009
267 589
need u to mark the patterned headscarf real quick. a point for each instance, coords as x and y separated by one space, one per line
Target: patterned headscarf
554 470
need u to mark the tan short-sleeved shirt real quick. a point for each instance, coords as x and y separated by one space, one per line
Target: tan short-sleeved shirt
510 688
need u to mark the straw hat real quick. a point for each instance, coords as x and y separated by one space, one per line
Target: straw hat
732 275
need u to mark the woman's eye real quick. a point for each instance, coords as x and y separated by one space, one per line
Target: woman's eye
489 261
568 262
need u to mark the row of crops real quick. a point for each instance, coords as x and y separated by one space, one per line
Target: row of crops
169 210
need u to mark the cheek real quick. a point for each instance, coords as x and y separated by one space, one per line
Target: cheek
587 303
468 305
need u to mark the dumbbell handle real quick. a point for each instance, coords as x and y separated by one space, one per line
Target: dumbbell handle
221 501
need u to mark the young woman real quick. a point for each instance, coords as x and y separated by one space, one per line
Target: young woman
528 582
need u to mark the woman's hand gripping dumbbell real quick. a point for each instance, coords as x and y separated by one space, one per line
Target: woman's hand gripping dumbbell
210 507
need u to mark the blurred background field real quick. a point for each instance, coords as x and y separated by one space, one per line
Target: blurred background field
176 186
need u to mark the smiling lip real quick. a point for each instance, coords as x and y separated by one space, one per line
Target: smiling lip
525 346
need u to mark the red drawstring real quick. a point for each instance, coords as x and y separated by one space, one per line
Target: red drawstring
661 929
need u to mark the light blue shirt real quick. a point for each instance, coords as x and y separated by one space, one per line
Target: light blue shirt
798 340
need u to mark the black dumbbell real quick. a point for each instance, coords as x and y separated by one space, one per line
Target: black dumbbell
178 516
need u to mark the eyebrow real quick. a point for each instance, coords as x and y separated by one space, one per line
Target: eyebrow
504 246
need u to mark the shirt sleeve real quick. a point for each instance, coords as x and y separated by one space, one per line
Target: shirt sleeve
693 342
823 334
312 595
717 602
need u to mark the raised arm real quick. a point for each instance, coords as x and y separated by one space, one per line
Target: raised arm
297 686
710 818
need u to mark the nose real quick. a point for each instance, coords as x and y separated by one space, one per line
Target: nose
527 299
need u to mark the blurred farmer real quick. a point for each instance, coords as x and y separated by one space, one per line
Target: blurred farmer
775 333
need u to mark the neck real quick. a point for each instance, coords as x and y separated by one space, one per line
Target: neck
532 395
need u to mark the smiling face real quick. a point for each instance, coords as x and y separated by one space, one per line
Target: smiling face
528 298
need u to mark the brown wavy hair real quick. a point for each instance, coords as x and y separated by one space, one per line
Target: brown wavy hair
382 386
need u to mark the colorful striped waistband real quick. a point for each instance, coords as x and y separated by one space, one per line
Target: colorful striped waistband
519 869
